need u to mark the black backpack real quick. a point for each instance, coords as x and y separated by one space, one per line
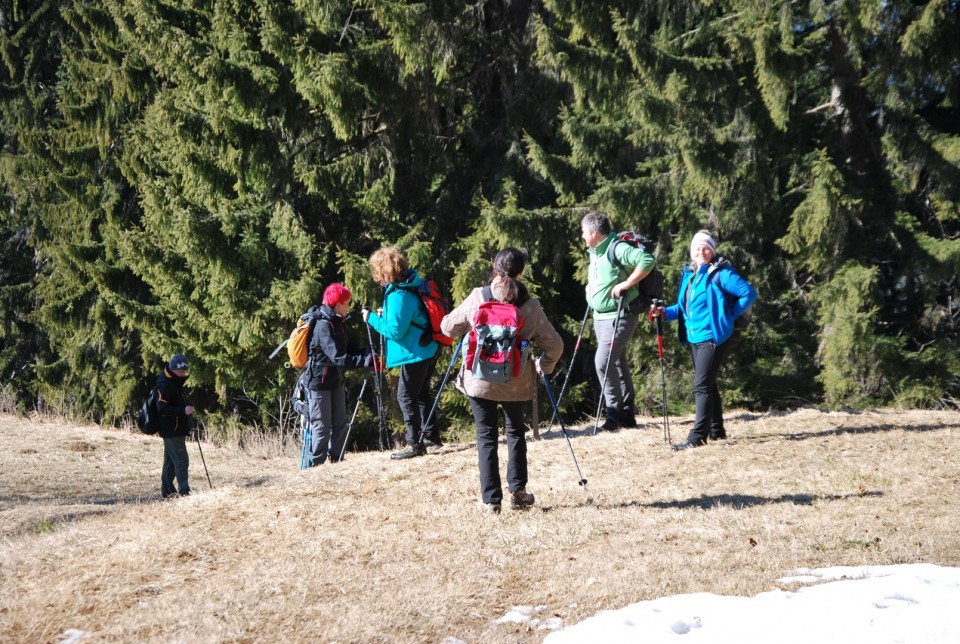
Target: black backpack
148 420
651 286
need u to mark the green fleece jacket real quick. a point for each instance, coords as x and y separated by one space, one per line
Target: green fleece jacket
603 276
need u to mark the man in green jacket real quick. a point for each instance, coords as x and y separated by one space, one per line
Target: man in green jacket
608 287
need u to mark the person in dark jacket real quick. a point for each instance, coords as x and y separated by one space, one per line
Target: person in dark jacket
329 354
174 415
711 297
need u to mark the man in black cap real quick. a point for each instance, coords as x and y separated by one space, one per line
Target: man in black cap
174 426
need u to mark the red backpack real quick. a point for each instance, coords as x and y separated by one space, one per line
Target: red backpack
436 305
495 350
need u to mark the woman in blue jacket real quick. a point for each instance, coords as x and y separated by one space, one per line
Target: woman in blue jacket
710 299
403 322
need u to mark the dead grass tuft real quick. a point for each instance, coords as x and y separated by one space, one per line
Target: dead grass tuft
384 551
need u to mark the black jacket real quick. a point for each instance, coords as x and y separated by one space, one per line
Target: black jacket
171 404
330 352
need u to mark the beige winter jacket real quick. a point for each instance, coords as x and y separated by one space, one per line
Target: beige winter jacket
536 328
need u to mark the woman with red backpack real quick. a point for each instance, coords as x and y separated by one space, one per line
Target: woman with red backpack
401 321
496 373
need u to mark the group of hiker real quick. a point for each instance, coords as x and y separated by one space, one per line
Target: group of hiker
498 373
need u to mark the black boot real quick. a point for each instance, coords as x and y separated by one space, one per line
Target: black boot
410 451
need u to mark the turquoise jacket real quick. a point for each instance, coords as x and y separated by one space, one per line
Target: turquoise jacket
402 309
728 296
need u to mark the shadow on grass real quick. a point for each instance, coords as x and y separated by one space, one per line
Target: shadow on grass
710 502
52 512
742 501
80 499
840 430
258 482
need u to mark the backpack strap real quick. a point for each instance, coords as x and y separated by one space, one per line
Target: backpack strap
719 264
729 299
415 289
612 253
488 294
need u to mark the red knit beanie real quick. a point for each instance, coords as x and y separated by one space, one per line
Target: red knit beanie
335 294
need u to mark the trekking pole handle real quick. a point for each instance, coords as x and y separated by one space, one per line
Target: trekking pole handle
658 318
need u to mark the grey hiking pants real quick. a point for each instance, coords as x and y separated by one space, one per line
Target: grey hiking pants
176 462
618 392
327 415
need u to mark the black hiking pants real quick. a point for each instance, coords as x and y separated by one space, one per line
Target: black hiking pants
486 415
707 358
413 398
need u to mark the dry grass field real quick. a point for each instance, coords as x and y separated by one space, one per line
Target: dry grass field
371 550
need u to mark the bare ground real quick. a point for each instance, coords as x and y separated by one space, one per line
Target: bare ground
372 550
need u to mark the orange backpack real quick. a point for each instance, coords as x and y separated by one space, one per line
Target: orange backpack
298 346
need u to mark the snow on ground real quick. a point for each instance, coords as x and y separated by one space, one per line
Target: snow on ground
918 603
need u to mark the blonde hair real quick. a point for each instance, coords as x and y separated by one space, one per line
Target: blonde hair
387 265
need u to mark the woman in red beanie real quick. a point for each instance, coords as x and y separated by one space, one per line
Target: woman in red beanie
326 395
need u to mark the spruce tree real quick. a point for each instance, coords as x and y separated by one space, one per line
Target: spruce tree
785 123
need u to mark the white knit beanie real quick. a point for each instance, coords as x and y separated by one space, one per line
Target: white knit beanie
703 237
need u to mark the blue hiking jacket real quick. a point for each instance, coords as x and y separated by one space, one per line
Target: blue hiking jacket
402 309
728 296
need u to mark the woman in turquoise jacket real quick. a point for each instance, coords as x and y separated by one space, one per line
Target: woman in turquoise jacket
710 299
402 322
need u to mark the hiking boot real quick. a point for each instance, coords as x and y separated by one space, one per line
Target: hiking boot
719 436
610 425
433 441
679 447
521 500
409 451
491 508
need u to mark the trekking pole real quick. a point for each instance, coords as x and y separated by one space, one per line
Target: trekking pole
658 321
352 418
277 350
546 383
384 427
381 431
307 434
193 425
606 369
443 383
566 380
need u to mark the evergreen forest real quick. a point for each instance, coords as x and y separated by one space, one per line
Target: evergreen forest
188 175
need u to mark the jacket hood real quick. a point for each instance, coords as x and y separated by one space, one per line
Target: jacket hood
718 262
172 377
328 312
499 289
410 277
